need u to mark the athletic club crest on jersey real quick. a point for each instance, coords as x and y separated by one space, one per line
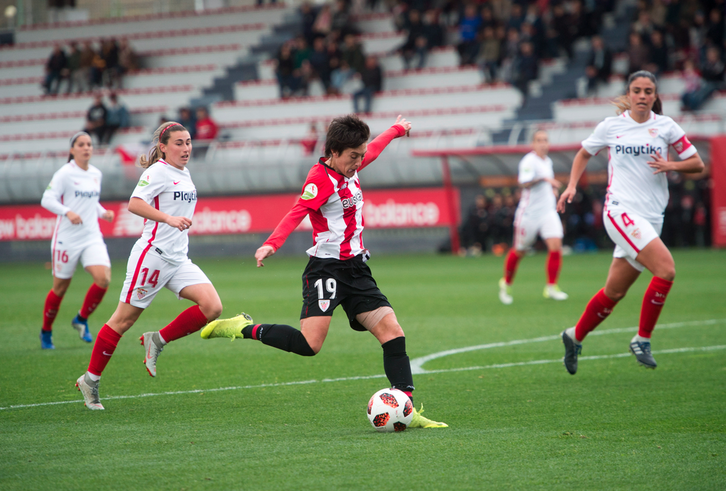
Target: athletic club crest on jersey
141 293
653 132
324 305
636 233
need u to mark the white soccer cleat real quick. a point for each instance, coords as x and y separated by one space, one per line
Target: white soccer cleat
505 292
553 292
152 343
89 389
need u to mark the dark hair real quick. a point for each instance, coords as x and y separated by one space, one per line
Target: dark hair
623 104
161 135
346 132
73 142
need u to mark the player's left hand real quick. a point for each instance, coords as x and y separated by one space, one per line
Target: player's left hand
403 122
659 164
262 253
108 215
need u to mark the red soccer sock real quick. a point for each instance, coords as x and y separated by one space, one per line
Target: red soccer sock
106 342
653 300
52 303
554 264
510 265
597 310
189 321
93 298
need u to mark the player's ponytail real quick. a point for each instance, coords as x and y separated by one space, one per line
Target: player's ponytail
622 103
161 135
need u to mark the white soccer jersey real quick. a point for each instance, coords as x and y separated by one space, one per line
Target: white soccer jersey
172 191
631 182
539 198
77 190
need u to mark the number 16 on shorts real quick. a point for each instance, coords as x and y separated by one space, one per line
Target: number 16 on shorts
330 287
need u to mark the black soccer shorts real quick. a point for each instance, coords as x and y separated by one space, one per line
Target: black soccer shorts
328 283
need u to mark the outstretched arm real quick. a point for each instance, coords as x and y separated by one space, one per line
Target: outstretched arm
400 127
281 232
578 168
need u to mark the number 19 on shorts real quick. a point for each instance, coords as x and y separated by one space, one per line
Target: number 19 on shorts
330 288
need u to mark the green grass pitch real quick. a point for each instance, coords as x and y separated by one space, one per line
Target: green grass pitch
241 415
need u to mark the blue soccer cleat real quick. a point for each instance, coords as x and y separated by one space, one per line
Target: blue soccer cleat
81 326
46 340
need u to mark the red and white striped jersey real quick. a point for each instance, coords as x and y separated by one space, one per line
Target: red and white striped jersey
631 181
172 191
335 206
77 190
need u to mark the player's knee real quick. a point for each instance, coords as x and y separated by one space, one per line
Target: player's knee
615 295
668 272
103 281
211 310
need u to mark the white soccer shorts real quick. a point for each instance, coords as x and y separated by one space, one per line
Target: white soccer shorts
630 232
147 274
526 228
66 257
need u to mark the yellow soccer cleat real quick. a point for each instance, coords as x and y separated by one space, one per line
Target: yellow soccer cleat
419 421
227 328
554 292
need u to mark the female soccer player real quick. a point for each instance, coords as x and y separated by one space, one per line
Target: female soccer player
337 273
637 140
73 195
536 214
166 197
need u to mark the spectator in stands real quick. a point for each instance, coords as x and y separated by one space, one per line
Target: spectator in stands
320 62
287 79
96 118
489 51
712 79
433 30
188 120
117 116
109 52
206 128
98 67
599 67
468 29
341 19
510 52
54 68
307 16
416 43
127 59
372 78
659 57
73 67
310 141
526 69
86 62
352 53
638 53
340 73
715 30
323 21
564 29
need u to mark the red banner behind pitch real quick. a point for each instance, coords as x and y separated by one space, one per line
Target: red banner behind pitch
718 195
399 208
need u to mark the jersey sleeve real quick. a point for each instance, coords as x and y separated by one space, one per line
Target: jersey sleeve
597 140
151 184
53 195
679 141
527 171
287 225
317 189
380 142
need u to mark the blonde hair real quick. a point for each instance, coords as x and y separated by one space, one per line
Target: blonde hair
622 103
161 136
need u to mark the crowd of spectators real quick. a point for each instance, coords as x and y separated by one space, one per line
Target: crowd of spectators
669 36
103 120
488 225
84 67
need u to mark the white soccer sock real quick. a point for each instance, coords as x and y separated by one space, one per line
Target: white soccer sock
571 332
93 377
640 339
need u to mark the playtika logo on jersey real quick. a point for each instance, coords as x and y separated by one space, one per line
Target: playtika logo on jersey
187 196
635 151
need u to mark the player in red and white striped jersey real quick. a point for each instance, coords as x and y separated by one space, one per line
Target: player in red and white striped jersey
638 140
73 194
337 272
166 197
536 215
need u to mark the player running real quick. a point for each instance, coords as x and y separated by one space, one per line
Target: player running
166 197
337 273
73 195
637 140
536 215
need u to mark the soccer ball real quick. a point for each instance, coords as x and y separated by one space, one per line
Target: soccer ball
390 410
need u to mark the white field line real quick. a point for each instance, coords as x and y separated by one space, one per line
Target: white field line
368 377
417 363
